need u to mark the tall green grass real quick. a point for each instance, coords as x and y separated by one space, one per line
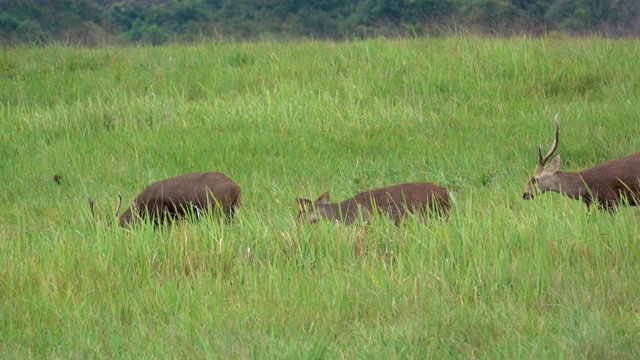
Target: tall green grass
503 278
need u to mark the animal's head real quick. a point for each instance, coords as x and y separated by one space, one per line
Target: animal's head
543 177
308 208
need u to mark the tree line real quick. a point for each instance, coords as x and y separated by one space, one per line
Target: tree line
93 22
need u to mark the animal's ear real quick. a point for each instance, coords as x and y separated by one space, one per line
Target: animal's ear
303 203
323 199
554 165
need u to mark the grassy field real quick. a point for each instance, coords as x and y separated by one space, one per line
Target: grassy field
503 278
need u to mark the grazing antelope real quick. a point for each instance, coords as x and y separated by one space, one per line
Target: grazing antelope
609 184
176 197
394 201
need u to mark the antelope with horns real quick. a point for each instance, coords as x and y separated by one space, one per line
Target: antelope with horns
177 197
394 201
608 185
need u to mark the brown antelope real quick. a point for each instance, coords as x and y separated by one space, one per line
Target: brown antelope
177 197
610 184
394 201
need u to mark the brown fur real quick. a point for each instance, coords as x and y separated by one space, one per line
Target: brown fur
394 201
176 197
605 184
609 184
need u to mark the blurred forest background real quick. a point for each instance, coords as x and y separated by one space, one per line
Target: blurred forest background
96 22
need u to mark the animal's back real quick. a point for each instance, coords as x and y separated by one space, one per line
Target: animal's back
608 181
397 199
626 169
611 177
198 188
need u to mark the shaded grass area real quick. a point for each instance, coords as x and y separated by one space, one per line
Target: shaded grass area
503 278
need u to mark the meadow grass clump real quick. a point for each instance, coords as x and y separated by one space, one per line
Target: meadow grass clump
502 278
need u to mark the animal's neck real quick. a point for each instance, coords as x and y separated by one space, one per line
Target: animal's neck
125 218
330 211
338 211
571 184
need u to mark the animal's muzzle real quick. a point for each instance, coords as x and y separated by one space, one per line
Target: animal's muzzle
527 196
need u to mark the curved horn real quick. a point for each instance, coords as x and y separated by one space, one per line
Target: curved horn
90 200
119 204
543 159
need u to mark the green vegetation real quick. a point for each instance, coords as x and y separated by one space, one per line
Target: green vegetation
99 22
503 278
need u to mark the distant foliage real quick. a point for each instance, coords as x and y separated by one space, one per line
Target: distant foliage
43 21
159 21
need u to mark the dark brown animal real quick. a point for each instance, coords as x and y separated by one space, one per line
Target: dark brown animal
178 197
394 201
608 185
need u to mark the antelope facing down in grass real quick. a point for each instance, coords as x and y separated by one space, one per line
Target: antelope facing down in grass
395 201
608 185
177 197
